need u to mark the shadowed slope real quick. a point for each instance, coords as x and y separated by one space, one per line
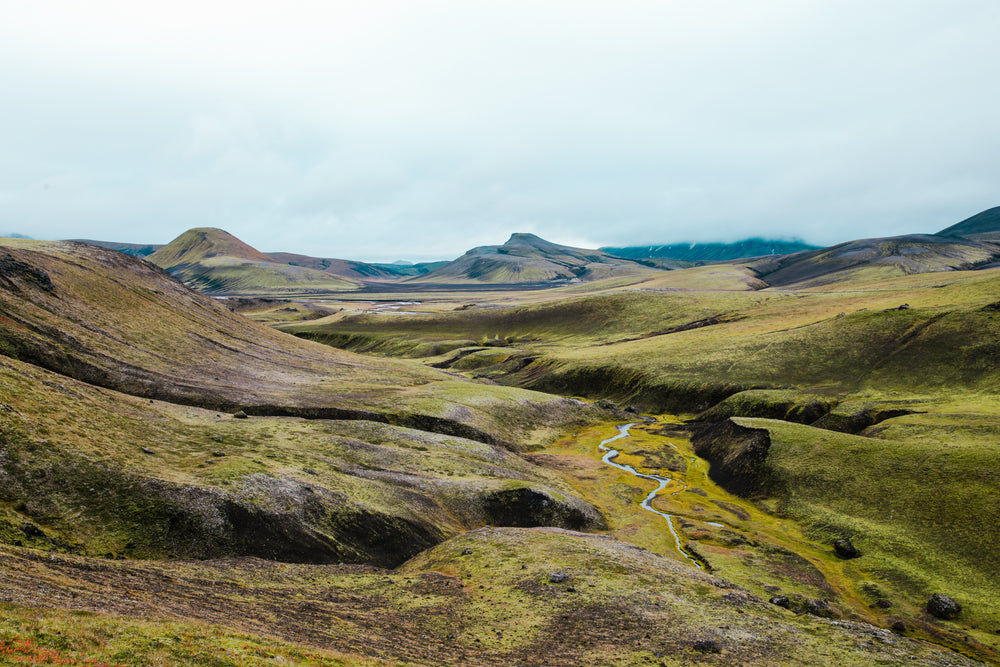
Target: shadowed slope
118 322
869 259
983 226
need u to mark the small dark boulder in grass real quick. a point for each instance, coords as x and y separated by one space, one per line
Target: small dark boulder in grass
845 549
31 530
781 601
558 577
943 607
707 646
240 415
147 450
819 607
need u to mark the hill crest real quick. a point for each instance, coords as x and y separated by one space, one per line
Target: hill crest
202 243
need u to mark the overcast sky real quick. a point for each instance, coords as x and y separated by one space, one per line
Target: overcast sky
416 130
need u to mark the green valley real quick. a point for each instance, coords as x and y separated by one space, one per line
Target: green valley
369 467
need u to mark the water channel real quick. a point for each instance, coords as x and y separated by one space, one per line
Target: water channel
662 482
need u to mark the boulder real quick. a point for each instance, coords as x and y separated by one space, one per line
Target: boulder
781 601
845 549
943 607
707 646
558 577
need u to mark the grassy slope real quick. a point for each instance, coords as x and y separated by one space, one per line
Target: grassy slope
483 598
217 262
918 492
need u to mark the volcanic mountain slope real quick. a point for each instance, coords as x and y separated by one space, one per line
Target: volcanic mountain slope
214 261
526 258
984 226
342 268
877 258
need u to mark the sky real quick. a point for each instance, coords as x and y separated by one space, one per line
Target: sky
416 130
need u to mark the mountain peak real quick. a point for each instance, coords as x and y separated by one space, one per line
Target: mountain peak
984 226
201 243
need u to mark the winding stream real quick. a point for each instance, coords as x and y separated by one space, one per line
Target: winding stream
662 482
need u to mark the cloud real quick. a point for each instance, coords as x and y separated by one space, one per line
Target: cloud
387 130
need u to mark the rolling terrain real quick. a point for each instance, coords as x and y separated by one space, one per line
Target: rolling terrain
850 390
364 510
449 480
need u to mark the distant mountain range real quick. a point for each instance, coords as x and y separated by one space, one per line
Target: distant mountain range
711 252
215 261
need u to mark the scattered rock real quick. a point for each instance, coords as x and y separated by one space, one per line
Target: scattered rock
147 450
309 471
845 549
781 601
821 608
943 606
31 530
898 627
467 551
632 410
881 603
217 438
707 646
605 404
240 415
218 454
558 577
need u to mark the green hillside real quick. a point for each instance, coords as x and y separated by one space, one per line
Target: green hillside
216 262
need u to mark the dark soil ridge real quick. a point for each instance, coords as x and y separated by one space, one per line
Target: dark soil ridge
697 324
738 458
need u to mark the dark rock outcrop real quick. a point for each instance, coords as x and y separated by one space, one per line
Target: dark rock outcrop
738 457
845 549
943 606
529 508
